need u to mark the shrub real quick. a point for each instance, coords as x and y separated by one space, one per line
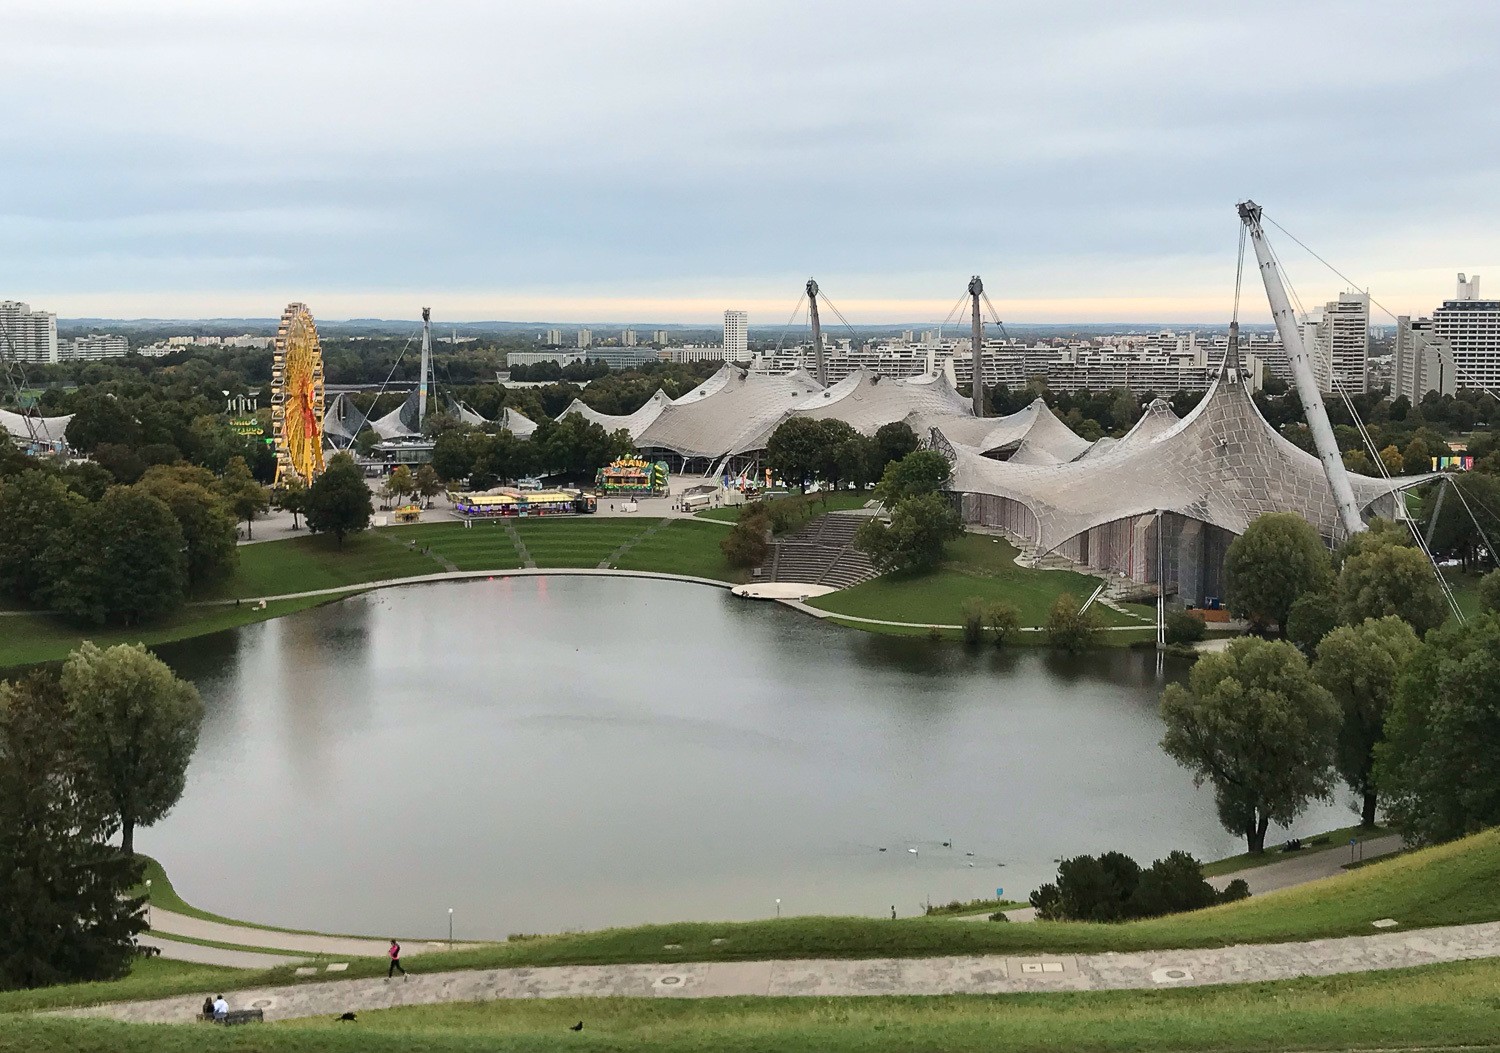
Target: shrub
1112 887
1170 886
1070 628
745 545
1489 591
1185 627
1313 616
1234 891
975 614
1004 621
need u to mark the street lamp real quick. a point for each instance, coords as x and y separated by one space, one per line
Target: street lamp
148 903
450 928
778 908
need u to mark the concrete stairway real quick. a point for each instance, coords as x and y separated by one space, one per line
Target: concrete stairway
821 553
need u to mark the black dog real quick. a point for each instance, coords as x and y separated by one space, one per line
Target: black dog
577 1027
348 1017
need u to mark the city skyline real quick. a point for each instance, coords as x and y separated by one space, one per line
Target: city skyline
663 162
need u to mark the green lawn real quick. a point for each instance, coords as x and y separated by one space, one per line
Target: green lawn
1440 1006
578 542
977 565
1465 590
317 561
45 638
842 501
484 546
683 547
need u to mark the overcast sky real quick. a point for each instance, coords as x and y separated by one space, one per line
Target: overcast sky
646 160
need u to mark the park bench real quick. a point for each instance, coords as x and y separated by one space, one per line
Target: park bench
237 1016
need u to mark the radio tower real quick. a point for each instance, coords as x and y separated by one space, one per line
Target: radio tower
426 366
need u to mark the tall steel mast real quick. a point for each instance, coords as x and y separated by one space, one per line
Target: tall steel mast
976 290
820 368
1302 373
426 366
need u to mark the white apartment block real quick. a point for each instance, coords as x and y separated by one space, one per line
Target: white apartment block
1424 361
736 336
1471 328
27 335
1342 357
552 337
92 348
627 338
695 353
585 338
536 358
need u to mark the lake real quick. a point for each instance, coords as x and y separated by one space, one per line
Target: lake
551 753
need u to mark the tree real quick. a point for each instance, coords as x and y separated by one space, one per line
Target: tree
1390 457
453 454
972 617
795 449
1184 627
1489 592
839 450
35 507
291 496
917 536
99 419
1360 666
1391 580
1311 618
428 484
69 913
1004 622
87 479
125 561
338 502
745 545
1171 886
1278 558
120 462
137 727
1254 722
920 472
1069 627
245 497
207 526
893 442
1436 768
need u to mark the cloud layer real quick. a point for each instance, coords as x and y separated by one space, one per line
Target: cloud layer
661 161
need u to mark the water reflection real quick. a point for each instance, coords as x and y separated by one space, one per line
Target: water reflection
546 753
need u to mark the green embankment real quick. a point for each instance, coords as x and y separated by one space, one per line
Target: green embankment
977 565
1326 842
318 561
1441 1006
1450 884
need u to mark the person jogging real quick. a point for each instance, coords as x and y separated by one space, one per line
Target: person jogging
394 954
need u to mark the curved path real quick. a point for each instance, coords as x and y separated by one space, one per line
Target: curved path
994 974
168 923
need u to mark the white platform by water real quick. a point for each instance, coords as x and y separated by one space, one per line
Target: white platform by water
782 590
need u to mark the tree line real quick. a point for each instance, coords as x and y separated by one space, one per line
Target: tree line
1365 681
87 753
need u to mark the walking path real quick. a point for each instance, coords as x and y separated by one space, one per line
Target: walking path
818 612
1298 868
231 958
170 923
992 974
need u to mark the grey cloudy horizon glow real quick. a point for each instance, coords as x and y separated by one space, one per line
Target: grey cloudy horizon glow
660 161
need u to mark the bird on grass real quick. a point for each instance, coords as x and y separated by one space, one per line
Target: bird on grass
577 1027
347 1018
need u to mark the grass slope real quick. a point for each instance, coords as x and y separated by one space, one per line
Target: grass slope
977 565
303 564
1449 884
1442 1005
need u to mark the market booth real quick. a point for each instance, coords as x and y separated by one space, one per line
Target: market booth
633 475
507 502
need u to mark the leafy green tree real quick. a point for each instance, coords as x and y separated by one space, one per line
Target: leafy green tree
917 536
207 526
918 473
99 419
1171 886
245 497
745 545
1071 628
1184 627
1004 621
120 461
453 454
1437 768
136 727
34 508
1489 592
1278 558
1254 722
1391 580
1312 617
124 562
1089 888
893 442
838 451
427 483
795 450
1360 666
87 479
291 496
400 484
69 913
338 502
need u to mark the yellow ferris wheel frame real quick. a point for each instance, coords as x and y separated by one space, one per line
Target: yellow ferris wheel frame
297 396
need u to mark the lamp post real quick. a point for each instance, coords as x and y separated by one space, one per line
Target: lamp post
148 903
450 928
778 908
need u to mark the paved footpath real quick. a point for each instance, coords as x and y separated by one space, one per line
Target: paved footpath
170 923
994 974
1298 868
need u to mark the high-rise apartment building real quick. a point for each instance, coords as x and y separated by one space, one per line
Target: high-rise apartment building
92 348
27 335
736 336
1471 327
1424 361
627 338
660 337
585 338
553 338
1341 352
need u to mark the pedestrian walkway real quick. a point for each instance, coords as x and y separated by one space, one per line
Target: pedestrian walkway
170 923
228 957
1298 868
989 974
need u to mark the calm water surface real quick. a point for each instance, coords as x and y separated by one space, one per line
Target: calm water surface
551 753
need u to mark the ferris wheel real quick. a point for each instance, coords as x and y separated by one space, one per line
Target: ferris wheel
297 396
